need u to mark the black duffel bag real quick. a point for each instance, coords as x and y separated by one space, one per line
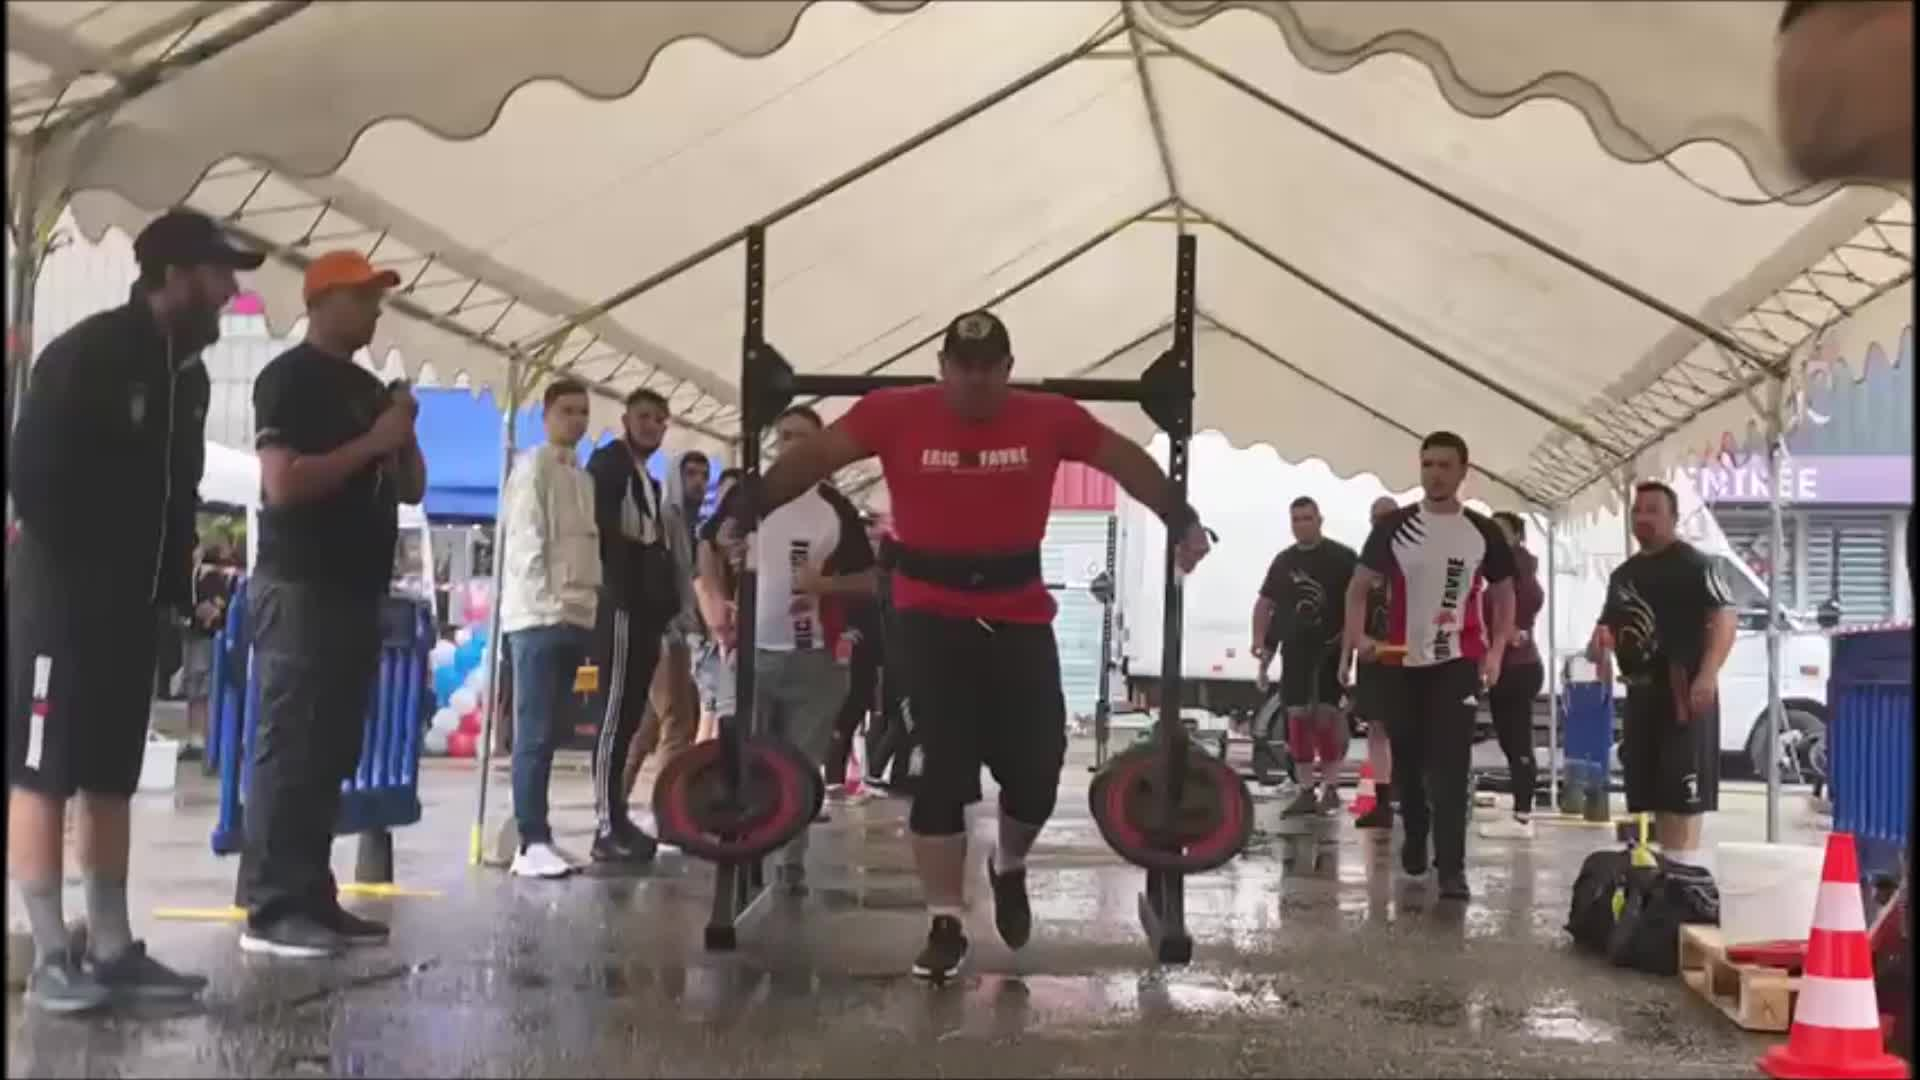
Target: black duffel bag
1632 915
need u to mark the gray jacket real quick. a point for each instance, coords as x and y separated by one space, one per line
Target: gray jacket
679 530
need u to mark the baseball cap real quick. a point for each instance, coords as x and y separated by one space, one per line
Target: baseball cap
977 337
344 270
189 238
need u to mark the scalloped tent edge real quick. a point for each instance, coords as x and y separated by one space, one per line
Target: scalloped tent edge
768 31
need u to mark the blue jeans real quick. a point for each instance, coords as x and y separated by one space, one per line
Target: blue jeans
545 661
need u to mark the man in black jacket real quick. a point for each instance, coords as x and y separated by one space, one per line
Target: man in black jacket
641 592
105 475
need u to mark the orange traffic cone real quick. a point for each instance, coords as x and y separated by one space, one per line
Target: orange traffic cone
1364 797
1836 1025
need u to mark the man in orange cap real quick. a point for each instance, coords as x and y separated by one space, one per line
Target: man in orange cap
337 456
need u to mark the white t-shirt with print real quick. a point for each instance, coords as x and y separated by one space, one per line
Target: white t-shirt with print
804 532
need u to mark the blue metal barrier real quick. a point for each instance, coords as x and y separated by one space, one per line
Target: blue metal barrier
383 792
1870 741
1586 716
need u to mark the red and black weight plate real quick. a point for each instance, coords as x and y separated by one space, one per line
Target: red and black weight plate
695 810
1211 825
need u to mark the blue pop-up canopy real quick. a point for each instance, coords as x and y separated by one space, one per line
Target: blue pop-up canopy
459 436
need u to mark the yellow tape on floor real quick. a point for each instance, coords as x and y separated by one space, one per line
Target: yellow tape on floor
358 888
214 914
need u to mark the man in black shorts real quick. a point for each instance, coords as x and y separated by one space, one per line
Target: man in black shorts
105 472
1300 608
1451 578
1669 621
969 463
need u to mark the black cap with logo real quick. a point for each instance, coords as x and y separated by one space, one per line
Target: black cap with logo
978 337
189 238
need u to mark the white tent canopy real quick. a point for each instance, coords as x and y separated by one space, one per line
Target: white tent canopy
1561 229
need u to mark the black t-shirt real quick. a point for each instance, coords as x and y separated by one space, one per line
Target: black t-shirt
1657 608
311 402
1308 588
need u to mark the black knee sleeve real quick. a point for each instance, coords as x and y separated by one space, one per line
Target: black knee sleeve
934 814
1029 804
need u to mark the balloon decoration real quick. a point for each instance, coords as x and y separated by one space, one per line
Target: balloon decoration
459 668
460 744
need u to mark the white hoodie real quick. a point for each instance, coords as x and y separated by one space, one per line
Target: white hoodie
552 569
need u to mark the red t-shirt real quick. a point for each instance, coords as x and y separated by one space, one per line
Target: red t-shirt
971 488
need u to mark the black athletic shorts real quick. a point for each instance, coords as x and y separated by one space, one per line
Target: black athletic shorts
982 694
1376 688
80 655
1671 767
1309 677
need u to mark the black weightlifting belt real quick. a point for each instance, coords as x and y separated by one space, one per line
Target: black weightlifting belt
968 573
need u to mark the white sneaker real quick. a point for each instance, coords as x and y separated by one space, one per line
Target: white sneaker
1507 828
541 861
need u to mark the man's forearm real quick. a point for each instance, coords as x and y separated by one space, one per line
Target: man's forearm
300 478
1141 477
859 583
1355 623
1721 627
1500 608
1262 619
412 474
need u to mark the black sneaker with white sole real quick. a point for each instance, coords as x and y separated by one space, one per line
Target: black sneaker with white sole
1453 886
1012 914
353 929
1413 859
946 951
134 976
298 937
615 846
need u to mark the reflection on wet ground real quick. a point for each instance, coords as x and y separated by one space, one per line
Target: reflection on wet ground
1324 966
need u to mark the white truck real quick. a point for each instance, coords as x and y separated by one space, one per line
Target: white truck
1243 495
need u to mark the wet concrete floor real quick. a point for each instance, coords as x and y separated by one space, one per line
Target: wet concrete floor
1331 969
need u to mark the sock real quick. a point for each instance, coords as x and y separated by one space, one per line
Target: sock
48 918
108 932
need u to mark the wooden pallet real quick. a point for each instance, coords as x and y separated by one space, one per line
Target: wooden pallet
1756 998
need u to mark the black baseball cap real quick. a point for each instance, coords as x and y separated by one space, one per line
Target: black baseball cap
978 337
189 238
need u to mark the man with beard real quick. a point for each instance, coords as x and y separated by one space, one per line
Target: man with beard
337 457
1669 621
641 595
1299 609
105 474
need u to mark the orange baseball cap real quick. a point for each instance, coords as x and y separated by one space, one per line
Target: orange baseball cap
344 270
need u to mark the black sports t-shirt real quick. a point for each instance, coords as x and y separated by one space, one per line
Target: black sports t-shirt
311 402
1437 567
1657 608
1308 587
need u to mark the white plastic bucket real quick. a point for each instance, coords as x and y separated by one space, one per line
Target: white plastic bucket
1767 891
160 766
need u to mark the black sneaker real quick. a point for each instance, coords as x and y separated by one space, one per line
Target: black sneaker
355 930
135 976
609 846
1453 886
61 984
946 950
1307 802
1380 817
298 937
1413 859
1012 915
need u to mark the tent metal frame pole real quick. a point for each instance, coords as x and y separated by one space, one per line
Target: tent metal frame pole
830 187
31 228
1776 545
1554 669
1150 97
1775 365
1408 337
496 648
1335 391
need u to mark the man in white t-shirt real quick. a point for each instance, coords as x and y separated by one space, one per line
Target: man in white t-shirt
813 555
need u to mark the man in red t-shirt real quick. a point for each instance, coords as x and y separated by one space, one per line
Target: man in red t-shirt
969 462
